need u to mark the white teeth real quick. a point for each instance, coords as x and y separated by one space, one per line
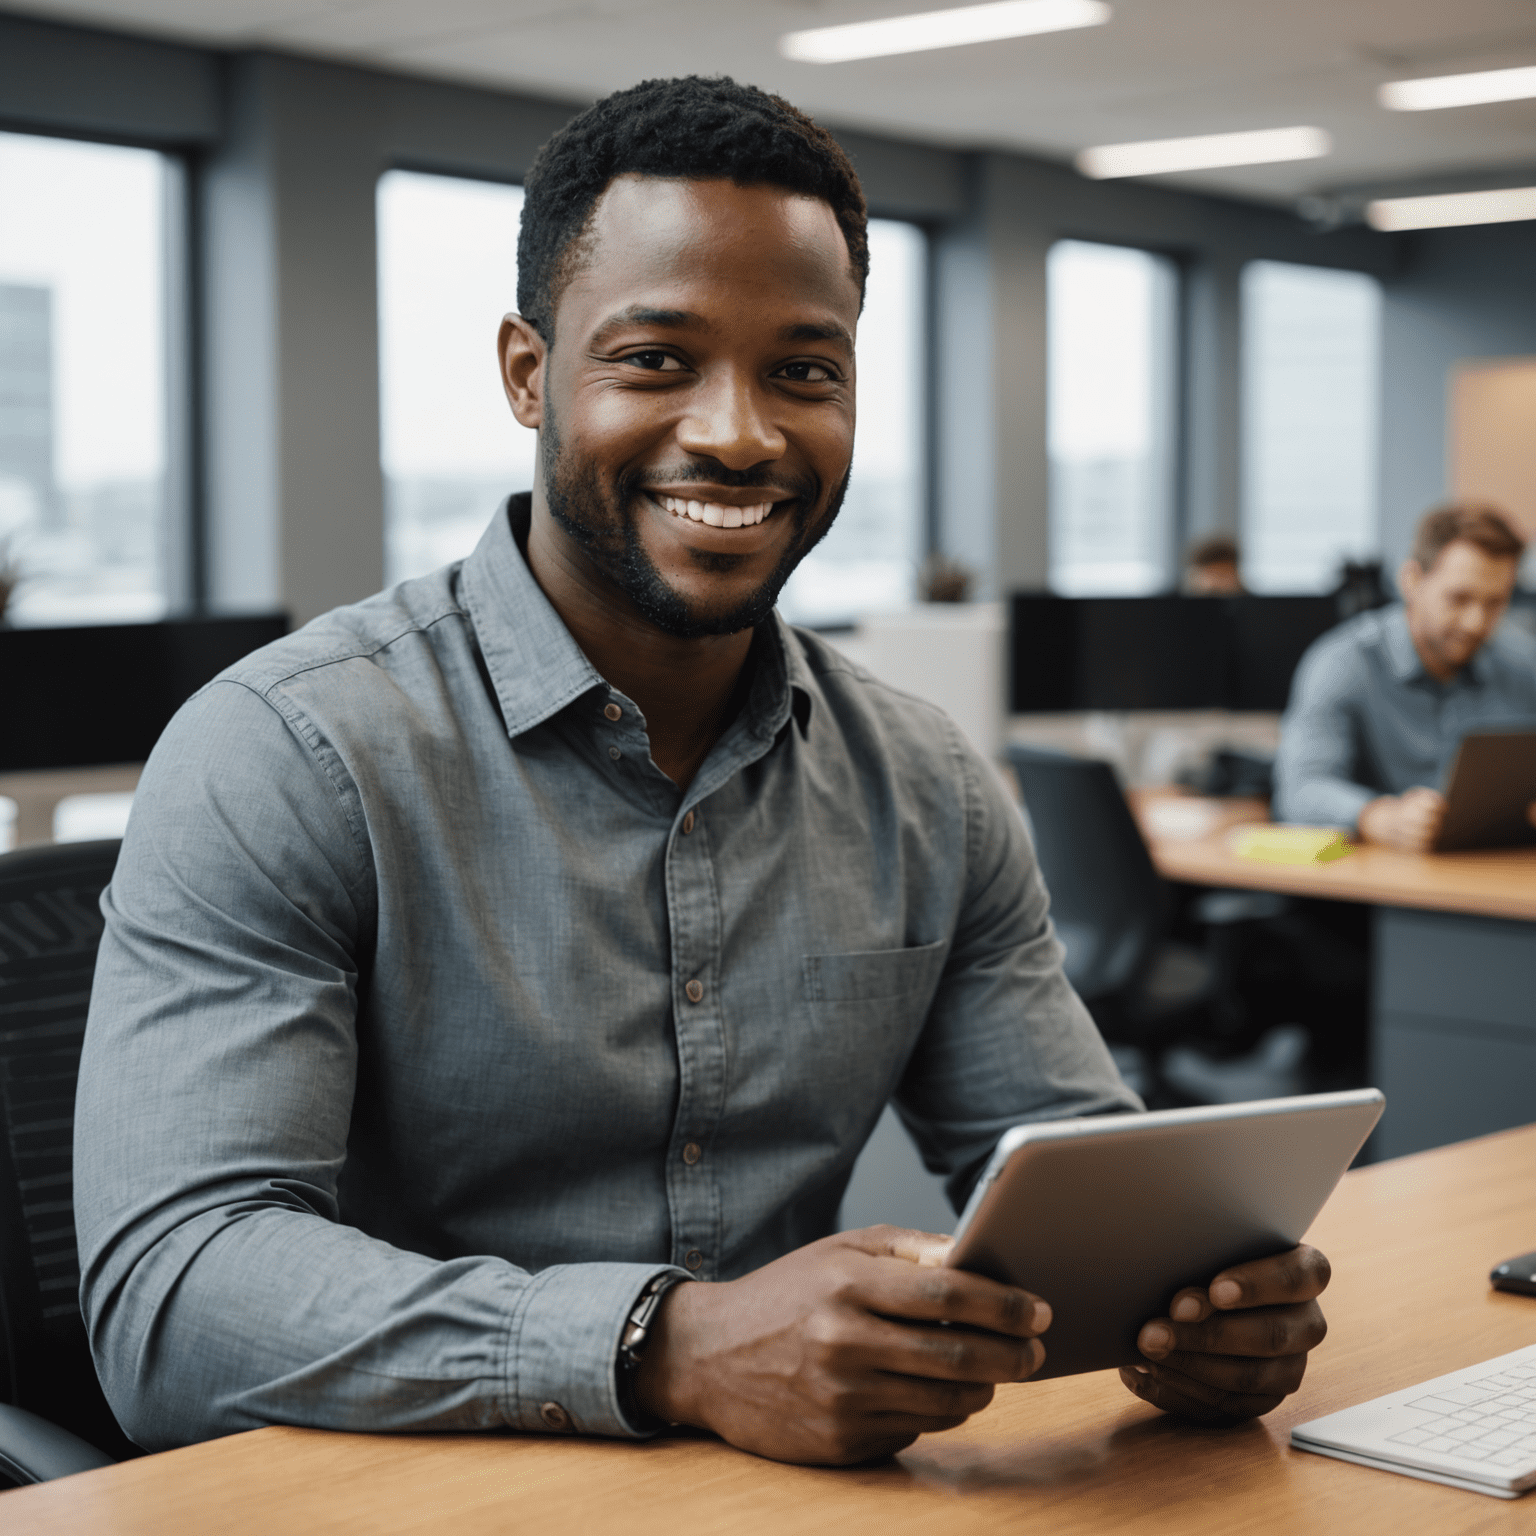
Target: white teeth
716 514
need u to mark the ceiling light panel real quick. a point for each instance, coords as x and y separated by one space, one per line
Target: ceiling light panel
1430 95
1207 152
941 29
1505 205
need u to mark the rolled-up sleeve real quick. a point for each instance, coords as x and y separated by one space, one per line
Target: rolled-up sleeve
1320 745
221 1288
1006 1040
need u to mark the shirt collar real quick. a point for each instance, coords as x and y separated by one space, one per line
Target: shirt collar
1407 665
536 666
803 689
1401 651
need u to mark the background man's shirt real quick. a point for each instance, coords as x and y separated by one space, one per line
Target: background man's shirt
432 1020
1365 718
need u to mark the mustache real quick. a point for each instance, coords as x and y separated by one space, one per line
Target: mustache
757 478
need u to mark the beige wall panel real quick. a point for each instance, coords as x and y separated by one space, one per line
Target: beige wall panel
1493 435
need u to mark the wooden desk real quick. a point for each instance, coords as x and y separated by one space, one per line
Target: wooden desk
1500 883
1412 1242
1453 994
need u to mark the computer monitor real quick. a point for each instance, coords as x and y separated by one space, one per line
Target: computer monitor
94 694
1127 653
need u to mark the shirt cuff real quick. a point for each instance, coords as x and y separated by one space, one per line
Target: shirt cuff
563 1351
1328 804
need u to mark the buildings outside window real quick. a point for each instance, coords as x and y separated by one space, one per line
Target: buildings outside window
869 561
1311 390
451 448
83 482
1112 393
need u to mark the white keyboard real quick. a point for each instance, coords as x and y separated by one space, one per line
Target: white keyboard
1475 1428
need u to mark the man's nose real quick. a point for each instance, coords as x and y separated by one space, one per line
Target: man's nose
728 420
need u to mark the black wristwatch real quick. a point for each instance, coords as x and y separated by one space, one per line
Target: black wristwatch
632 1342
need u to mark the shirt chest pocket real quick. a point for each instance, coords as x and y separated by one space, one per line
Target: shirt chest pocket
866 1010
891 976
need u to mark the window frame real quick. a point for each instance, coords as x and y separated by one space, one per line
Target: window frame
182 557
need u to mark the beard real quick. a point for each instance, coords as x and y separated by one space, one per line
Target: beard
604 521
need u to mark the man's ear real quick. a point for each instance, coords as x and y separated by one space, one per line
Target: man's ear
522 353
1409 574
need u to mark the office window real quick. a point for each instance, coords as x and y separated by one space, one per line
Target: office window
1311 381
451 448
869 560
1112 358
83 481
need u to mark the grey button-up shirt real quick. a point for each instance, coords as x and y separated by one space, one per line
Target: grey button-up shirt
1365 718
432 1021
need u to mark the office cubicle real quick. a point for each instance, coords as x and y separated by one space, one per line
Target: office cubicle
98 694
1165 653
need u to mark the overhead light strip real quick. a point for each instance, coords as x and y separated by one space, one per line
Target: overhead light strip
941 29
1433 93
1207 152
1505 205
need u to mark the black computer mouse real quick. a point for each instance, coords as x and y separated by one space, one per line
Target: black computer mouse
1516 1275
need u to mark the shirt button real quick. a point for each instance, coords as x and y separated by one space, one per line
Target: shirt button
695 991
692 1153
614 753
554 1416
693 1259
613 711
688 823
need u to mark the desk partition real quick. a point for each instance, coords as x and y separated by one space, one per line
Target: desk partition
1077 653
96 694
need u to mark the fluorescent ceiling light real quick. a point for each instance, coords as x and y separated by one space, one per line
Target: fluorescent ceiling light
941 29
1430 95
1208 152
1505 205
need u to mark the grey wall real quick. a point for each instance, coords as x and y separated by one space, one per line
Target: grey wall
1459 293
284 154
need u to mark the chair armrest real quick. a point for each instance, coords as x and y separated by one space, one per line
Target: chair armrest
33 1450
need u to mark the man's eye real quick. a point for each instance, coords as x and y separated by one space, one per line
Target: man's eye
654 362
807 373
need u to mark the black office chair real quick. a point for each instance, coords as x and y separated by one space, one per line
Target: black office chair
54 1419
1110 908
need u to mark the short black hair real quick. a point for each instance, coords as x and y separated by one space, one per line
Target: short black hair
1214 549
689 128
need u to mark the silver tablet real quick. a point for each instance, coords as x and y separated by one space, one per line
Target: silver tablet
1107 1218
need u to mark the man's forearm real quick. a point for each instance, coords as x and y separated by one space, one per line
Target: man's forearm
238 1317
1321 800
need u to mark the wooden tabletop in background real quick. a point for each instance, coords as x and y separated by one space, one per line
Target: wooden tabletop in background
1189 839
1412 1242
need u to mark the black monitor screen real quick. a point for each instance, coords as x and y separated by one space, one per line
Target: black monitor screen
1159 652
1270 635
86 696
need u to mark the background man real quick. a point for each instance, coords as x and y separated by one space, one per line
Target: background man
554 928
1380 704
1213 567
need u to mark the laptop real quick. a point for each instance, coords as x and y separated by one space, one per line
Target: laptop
1491 784
1474 1428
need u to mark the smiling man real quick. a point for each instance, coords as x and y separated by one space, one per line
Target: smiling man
493 960
1380 704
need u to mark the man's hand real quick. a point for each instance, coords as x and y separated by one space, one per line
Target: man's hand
1408 821
835 1353
1237 1349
